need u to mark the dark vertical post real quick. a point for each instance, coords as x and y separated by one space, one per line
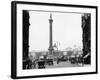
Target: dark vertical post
50 42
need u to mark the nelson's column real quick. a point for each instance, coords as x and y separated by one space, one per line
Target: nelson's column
50 36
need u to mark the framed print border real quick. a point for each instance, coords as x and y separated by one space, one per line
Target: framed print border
14 69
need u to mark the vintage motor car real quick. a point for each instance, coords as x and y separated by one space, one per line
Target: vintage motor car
41 62
73 59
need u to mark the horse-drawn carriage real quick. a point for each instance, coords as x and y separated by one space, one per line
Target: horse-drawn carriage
62 59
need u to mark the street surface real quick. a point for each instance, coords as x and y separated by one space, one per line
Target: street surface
63 64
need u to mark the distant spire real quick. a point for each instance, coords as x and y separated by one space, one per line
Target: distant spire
50 16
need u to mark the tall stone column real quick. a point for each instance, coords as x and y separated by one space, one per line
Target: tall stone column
50 38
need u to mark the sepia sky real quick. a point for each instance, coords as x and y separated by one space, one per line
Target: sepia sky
66 30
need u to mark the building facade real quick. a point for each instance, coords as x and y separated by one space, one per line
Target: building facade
25 37
86 28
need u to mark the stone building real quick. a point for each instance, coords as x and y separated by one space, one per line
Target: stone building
25 36
86 28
